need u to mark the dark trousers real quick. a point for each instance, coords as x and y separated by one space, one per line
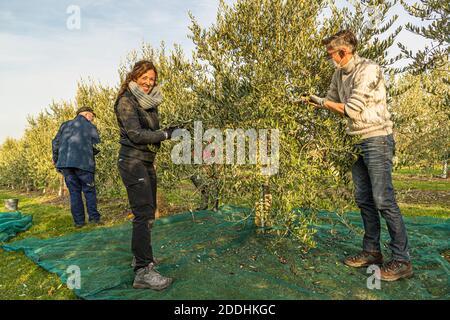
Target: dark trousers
374 193
139 178
80 181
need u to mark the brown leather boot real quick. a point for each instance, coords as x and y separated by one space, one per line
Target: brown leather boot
364 259
395 269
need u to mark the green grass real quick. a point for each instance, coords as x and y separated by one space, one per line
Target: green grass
402 183
414 179
21 278
426 186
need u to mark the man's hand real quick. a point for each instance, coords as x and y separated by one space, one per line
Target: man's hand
317 100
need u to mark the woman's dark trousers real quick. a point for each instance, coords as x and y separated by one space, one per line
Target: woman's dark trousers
139 178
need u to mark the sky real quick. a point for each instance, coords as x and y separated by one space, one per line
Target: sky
44 52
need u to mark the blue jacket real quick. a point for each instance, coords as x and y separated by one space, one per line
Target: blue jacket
73 145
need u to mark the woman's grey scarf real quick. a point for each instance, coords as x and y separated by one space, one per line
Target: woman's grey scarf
146 101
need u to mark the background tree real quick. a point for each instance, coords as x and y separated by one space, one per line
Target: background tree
13 168
244 71
422 125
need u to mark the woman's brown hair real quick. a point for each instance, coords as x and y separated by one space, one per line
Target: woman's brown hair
138 70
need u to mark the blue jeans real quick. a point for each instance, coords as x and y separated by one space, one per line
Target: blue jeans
374 193
78 181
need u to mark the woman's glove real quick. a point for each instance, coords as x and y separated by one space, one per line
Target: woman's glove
169 131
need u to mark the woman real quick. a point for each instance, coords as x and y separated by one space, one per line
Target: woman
136 109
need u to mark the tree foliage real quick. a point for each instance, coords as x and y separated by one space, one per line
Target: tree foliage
243 73
437 13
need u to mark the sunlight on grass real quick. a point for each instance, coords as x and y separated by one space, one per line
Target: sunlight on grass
432 185
20 277
436 211
430 171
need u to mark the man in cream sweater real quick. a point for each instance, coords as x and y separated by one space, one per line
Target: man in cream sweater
358 92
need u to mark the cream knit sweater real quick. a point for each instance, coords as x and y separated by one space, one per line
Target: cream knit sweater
361 87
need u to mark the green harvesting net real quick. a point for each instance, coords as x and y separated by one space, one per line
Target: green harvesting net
219 255
13 222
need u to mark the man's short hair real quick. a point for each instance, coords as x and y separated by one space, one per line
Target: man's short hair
343 38
86 109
